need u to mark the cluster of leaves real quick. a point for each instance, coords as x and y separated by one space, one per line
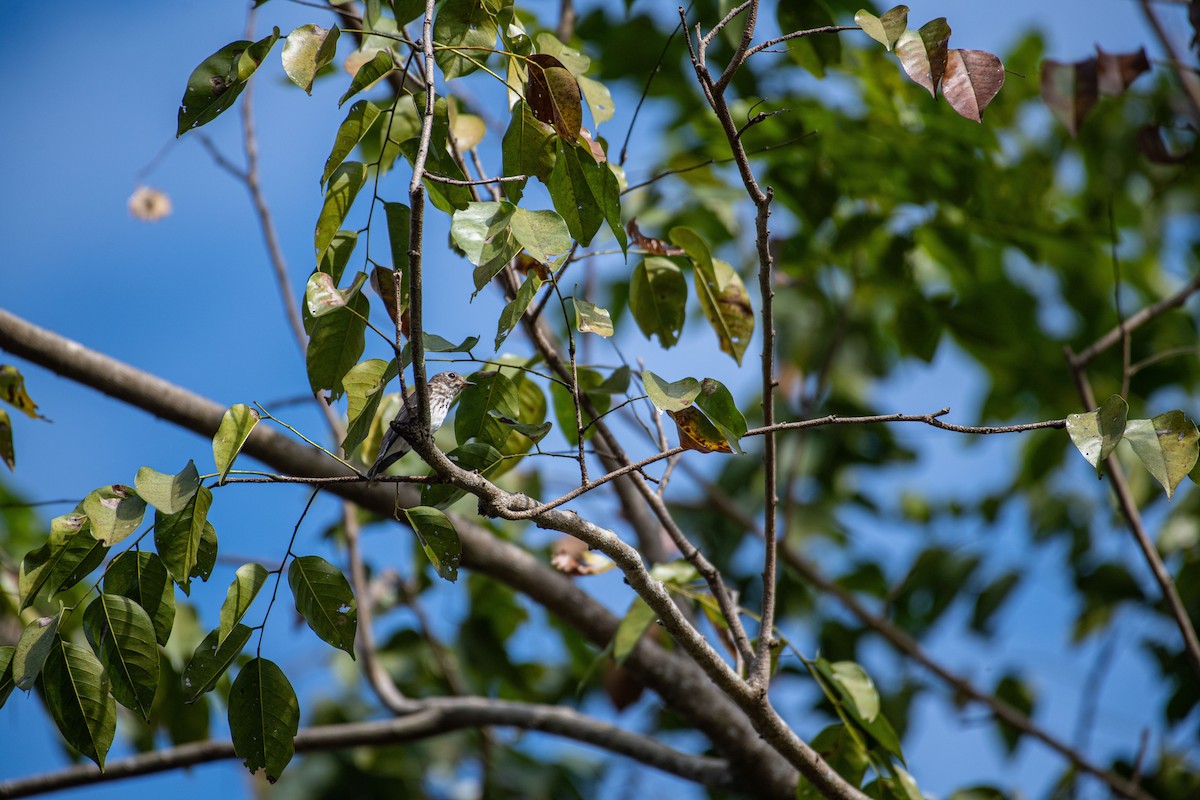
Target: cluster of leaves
128 623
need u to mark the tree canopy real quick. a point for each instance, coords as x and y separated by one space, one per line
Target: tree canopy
814 399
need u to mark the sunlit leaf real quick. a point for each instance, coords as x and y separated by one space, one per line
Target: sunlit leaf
12 391
1096 433
216 83
236 424
364 385
336 344
858 688
438 539
553 95
598 98
38 638
718 405
167 493
306 51
670 396
923 53
264 716
510 317
115 512
343 186
543 234
248 579
591 318
697 433
885 29
571 191
354 127
366 75
322 295
323 597
972 79
636 622
1167 446
463 33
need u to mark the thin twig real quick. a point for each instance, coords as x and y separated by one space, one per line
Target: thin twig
456 182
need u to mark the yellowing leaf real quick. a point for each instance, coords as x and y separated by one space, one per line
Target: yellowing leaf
697 433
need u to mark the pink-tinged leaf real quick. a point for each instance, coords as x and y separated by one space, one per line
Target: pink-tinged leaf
1116 71
1070 90
923 53
973 78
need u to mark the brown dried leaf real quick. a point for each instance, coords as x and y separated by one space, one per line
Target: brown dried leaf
622 686
383 281
697 433
553 95
972 79
1070 90
1116 71
649 244
923 53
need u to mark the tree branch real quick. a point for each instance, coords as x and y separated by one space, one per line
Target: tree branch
432 718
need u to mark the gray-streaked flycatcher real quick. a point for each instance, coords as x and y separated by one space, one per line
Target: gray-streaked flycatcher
443 388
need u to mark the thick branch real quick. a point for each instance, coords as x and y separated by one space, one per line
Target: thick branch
681 684
434 718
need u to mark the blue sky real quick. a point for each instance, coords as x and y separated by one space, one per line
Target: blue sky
90 99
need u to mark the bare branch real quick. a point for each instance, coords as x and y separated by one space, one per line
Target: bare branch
432 718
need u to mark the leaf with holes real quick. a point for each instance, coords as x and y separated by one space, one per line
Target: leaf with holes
264 716
325 600
12 391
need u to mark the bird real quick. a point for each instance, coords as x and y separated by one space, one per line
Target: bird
443 388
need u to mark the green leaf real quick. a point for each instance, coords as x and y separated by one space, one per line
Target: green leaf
216 83
336 344
236 424
718 405
462 24
445 197
990 599
592 319
438 539
813 53
590 382
115 512
68 555
528 148
885 29
7 454
323 597
77 696
1096 433
364 385
248 579
167 493
670 396
598 98
306 51
569 57
322 296
658 299
177 537
490 392
726 304
841 750
264 716
343 186
1167 445
12 391
510 317
543 234
354 127
211 659
368 73
206 555
38 638
857 689
636 621
122 635
141 576
481 230
7 683
923 53
571 191
473 457
1018 694
335 257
